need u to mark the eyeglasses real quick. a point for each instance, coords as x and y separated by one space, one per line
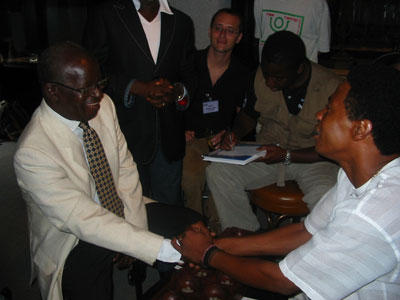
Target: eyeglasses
87 90
221 29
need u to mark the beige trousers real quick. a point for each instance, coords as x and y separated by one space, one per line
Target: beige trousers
193 175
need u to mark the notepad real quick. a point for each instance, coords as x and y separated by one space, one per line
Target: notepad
241 154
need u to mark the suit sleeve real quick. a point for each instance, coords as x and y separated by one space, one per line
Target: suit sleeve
187 63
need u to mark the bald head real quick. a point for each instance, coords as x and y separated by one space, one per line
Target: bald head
71 80
54 60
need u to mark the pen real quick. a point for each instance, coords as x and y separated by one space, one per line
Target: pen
230 138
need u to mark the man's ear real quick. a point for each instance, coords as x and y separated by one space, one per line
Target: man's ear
362 129
49 89
239 38
50 94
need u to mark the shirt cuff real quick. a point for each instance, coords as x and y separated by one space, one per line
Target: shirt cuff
129 99
168 253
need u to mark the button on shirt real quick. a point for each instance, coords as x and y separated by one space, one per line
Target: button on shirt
355 249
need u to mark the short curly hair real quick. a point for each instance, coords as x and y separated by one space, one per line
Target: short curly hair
375 95
284 48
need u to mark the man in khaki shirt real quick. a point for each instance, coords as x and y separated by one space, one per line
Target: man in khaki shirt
290 90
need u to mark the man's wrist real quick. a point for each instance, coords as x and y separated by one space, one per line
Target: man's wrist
208 254
179 90
181 96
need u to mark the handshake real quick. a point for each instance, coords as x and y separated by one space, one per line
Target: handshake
196 244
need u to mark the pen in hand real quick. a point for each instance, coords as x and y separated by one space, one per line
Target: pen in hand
230 139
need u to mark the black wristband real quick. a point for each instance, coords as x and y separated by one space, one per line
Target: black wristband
208 254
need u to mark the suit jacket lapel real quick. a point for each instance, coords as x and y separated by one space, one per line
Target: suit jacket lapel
65 143
128 15
167 33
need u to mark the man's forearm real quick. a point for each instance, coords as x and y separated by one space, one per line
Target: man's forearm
258 273
306 155
276 242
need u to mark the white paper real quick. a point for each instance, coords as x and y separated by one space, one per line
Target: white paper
241 154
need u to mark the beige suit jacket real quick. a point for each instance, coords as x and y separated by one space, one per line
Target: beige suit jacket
58 189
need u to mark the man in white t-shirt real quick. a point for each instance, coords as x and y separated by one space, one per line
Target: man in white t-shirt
309 19
348 246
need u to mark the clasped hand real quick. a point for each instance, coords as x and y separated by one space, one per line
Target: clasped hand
160 92
193 242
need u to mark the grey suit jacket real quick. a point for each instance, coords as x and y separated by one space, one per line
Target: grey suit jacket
58 189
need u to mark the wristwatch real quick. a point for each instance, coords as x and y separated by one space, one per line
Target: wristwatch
179 86
288 158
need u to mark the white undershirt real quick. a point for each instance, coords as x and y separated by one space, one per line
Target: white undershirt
152 29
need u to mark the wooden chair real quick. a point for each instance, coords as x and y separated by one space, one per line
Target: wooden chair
280 203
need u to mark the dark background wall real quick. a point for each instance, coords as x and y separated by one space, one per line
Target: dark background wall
361 31
28 26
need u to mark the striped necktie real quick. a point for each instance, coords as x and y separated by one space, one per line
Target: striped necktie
101 171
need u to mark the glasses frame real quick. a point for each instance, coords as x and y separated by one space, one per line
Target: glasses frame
227 30
84 91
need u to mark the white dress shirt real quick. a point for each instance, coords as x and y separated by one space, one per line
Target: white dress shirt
152 29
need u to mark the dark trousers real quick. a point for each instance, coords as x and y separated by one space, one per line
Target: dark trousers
88 269
88 273
161 179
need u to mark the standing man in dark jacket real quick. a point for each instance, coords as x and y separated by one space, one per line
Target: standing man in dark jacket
144 48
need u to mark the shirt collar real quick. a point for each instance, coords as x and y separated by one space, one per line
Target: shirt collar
379 175
164 6
72 124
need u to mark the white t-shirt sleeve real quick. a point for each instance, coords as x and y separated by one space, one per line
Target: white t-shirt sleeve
324 39
257 18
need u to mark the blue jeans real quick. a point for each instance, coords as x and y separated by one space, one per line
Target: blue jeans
161 179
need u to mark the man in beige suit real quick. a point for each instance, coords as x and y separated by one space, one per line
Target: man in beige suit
74 239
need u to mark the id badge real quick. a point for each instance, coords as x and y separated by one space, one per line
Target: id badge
210 107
